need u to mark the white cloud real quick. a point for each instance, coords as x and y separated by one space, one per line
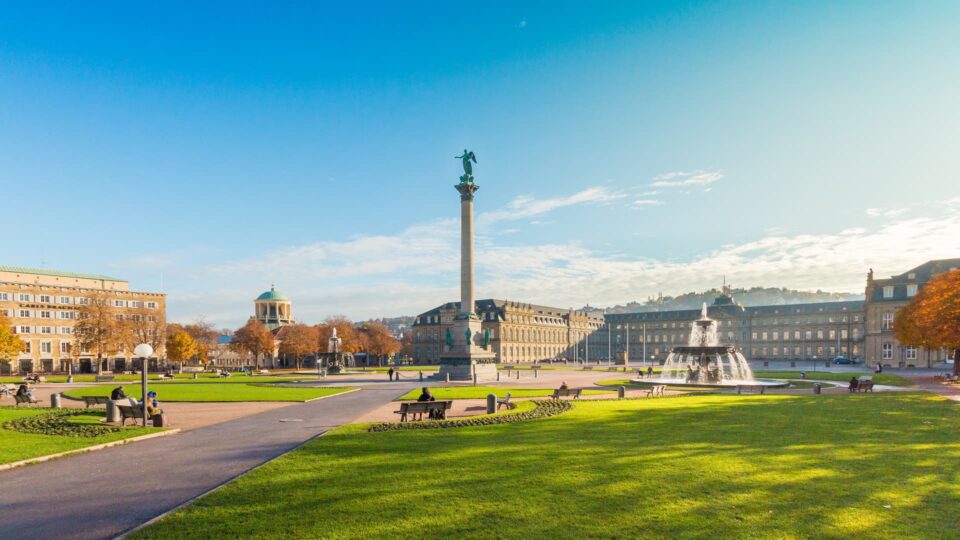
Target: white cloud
526 206
647 202
874 212
686 179
418 268
522 24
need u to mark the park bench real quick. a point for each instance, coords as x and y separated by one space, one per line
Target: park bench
105 378
166 376
566 392
34 379
90 401
129 411
5 390
503 401
865 386
588 368
535 366
419 408
26 399
756 389
656 390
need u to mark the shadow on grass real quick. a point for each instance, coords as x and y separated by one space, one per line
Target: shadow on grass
698 466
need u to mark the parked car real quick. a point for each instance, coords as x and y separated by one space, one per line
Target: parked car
844 360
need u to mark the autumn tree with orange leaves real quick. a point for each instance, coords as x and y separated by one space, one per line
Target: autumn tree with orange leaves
932 319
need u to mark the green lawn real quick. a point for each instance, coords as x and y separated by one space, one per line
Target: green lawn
17 446
199 392
879 378
480 392
884 465
630 384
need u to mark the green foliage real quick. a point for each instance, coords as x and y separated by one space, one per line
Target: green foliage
707 466
60 422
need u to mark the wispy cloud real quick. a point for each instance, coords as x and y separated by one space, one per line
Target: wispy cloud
522 23
686 179
526 206
647 202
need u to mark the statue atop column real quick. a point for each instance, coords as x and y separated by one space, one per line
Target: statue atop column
467 157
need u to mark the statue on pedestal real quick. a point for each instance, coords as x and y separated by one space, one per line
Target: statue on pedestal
467 157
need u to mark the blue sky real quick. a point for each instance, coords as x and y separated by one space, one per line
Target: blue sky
624 148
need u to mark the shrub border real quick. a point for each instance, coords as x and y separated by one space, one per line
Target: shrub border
542 409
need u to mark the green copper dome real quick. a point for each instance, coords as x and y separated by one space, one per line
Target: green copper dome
273 294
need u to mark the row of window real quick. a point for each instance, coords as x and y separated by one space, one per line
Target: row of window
80 300
40 314
886 352
911 291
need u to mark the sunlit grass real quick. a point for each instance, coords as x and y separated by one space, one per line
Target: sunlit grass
200 392
706 466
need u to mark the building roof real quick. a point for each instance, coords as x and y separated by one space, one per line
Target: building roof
273 294
45 272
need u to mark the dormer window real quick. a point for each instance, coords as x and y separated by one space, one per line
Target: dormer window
912 290
888 291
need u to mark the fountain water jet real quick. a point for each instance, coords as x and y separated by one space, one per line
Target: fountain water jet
705 362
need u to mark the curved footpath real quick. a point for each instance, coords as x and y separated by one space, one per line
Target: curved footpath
105 493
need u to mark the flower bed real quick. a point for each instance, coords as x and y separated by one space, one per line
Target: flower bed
541 409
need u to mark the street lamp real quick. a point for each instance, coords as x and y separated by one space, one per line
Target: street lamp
144 351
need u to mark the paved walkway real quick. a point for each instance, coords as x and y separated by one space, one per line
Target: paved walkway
104 493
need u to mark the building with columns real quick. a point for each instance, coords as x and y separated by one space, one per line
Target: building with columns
273 309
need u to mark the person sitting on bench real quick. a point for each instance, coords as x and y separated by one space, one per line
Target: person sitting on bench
118 393
563 386
425 395
153 406
854 383
24 390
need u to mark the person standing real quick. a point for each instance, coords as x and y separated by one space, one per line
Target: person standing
390 374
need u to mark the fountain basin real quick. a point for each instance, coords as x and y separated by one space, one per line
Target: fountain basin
726 383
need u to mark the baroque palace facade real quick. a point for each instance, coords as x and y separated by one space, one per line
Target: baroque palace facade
42 307
790 332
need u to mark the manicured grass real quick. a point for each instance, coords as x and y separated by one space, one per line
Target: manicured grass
17 446
879 378
480 392
629 383
200 392
706 466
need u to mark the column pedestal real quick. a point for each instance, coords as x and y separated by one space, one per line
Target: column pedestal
465 358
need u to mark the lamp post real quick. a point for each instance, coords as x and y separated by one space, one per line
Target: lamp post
144 351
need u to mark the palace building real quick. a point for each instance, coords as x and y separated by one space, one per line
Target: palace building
861 330
42 307
518 332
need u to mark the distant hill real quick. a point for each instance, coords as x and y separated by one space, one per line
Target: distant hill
757 296
397 325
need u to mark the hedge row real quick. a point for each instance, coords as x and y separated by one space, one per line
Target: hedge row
58 423
542 409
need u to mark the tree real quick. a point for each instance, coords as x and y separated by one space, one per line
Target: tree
10 343
934 317
180 347
100 328
406 343
254 339
346 331
148 326
205 335
379 340
298 341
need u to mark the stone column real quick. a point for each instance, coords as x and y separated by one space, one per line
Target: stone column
466 247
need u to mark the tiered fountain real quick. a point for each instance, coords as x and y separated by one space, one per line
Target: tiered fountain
704 362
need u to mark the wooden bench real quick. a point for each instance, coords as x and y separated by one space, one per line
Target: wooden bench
26 399
90 401
865 386
129 411
756 389
588 368
503 401
105 378
34 379
410 408
566 392
656 390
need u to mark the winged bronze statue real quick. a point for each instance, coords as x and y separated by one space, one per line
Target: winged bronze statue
467 157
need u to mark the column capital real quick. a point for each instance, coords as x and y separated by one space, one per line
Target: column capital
466 189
